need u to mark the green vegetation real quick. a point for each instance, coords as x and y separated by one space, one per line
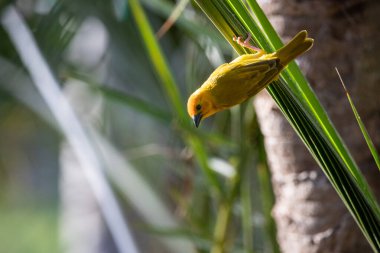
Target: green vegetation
31 229
207 189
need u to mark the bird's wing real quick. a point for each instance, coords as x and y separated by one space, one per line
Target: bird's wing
247 69
247 77
250 73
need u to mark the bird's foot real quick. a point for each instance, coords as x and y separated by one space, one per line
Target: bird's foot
246 43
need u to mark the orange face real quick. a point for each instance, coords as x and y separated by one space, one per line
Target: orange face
200 106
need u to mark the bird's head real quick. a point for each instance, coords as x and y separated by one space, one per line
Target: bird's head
200 106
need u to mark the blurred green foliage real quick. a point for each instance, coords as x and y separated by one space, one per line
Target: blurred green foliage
92 46
29 229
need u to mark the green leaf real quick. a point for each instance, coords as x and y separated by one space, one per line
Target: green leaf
363 129
170 88
302 109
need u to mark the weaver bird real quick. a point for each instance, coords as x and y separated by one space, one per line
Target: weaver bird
233 83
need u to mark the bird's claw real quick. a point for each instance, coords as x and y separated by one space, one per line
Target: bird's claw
246 43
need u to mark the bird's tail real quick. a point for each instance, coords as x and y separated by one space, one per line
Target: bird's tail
297 46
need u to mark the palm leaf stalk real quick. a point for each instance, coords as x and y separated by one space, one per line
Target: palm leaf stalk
304 112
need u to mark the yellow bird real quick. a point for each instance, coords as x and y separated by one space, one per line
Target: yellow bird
233 83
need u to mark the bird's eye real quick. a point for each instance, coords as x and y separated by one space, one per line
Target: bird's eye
198 107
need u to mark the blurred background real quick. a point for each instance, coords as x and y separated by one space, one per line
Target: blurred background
96 53
128 172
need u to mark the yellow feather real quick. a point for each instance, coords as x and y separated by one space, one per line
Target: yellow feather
233 83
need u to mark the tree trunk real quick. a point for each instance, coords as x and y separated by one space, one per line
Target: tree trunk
310 216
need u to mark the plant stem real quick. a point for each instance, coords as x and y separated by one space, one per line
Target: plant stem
221 227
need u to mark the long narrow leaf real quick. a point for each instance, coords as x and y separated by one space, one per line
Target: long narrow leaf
232 19
300 87
70 126
169 86
363 129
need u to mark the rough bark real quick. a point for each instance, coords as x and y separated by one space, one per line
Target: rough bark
310 216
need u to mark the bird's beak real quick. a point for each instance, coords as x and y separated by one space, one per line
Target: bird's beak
197 119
